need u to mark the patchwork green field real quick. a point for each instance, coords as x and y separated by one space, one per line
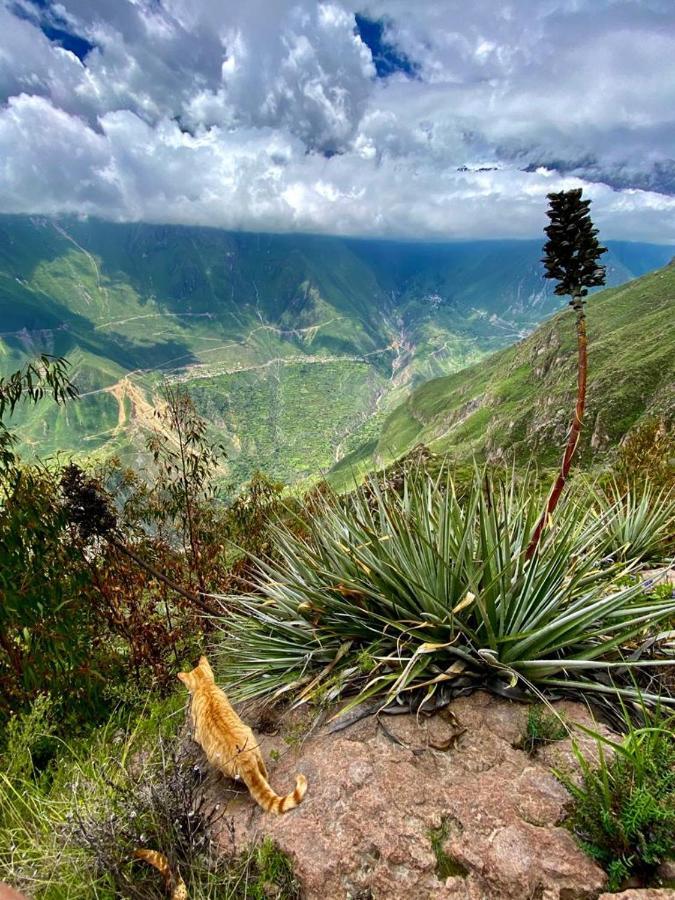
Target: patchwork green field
296 348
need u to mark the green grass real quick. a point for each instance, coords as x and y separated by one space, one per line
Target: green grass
543 727
624 808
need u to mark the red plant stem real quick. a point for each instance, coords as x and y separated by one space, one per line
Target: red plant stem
197 599
575 429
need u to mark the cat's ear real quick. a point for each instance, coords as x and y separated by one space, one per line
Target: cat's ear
206 668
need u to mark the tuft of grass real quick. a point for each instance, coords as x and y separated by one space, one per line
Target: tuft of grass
271 874
446 865
296 734
663 591
624 808
28 739
542 727
433 587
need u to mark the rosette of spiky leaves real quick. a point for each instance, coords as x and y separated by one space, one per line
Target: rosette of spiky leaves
572 250
399 591
635 522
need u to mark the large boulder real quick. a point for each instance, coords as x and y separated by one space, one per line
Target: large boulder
406 806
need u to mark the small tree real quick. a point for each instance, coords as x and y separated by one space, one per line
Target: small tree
48 374
186 462
46 625
571 258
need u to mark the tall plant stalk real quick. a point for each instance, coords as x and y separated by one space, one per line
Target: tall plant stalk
575 427
571 255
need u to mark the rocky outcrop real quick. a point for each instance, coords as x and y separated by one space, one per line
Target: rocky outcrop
441 807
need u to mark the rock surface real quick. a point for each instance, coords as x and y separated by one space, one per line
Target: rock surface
384 792
644 894
8 893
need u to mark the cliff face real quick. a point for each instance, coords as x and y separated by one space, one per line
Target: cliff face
401 807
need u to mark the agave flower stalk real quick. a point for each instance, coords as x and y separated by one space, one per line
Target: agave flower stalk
571 258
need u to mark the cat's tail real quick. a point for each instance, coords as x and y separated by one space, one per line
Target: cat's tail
174 884
290 801
263 794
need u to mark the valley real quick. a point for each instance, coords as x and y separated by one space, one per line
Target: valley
296 348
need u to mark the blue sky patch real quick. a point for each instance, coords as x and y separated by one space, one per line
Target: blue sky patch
78 45
387 57
51 27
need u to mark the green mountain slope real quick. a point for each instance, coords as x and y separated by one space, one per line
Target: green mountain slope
295 347
520 400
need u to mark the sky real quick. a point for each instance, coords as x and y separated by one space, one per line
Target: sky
424 119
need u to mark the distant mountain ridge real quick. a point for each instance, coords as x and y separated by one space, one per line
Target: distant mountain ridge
295 347
519 401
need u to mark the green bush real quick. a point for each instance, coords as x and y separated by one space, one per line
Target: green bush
647 453
624 808
49 629
435 590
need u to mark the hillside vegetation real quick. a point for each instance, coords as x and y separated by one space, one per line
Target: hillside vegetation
518 401
294 347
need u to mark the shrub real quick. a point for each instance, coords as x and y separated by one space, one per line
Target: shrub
438 592
624 808
49 631
648 452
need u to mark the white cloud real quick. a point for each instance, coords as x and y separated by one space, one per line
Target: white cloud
312 77
210 112
52 162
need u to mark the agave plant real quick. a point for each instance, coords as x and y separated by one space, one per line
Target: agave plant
636 523
416 590
571 257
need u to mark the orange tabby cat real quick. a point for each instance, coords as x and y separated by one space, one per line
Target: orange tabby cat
229 744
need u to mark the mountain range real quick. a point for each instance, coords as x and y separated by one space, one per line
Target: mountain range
298 349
